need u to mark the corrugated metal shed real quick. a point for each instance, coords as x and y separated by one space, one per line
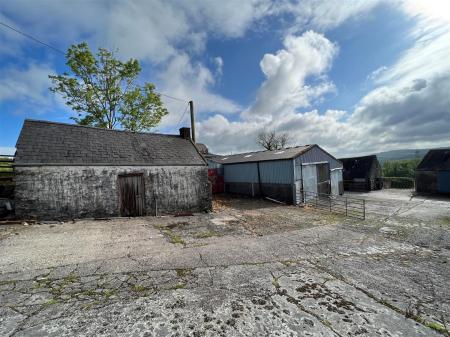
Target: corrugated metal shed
277 172
260 156
273 173
241 173
316 155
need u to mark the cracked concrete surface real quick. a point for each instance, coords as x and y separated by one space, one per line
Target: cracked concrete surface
250 268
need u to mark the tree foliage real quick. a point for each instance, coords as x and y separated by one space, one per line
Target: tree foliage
271 140
400 168
104 93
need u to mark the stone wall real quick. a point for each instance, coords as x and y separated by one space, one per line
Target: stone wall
55 192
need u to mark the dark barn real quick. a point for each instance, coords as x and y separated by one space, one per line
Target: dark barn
362 173
433 172
71 171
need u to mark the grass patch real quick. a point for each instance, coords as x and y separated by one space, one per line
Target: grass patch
88 292
288 263
446 220
137 288
52 301
436 326
90 305
4 283
178 286
109 293
173 238
72 278
183 272
207 234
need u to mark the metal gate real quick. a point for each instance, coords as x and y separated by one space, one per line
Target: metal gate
351 207
323 178
309 173
131 194
337 187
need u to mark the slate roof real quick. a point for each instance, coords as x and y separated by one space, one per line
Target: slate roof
248 157
357 167
435 160
50 143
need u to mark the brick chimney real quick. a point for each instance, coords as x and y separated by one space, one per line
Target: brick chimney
185 133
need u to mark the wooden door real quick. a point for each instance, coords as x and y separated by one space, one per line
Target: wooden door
131 194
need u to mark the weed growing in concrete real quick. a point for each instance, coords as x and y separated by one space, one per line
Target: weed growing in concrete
137 288
52 301
174 238
71 278
178 286
183 272
207 234
4 283
436 326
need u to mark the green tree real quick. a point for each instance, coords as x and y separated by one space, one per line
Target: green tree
400 168
104 93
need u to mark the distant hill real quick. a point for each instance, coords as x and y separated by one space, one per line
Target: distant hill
402 154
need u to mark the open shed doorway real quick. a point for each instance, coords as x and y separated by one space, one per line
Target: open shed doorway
316 180
131 194
323 178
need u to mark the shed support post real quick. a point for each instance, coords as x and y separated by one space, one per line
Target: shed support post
364 209
261 194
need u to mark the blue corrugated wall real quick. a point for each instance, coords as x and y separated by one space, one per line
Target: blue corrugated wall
277 172
241 173
271 172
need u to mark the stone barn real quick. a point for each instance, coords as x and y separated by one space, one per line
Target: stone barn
433 172
72 171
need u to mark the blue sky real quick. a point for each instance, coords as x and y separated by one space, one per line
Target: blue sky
355 77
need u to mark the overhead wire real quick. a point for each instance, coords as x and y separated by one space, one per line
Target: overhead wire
61 52
32 38
182 116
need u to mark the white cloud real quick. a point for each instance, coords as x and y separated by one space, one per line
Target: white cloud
184 79
285 90
152 30
375 75
286 71
218 61
27 86
324 15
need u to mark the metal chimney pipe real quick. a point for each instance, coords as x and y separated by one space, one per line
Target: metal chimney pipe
191 106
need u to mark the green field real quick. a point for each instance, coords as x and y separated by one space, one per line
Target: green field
6 168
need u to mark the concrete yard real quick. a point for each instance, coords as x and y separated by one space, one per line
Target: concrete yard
250 268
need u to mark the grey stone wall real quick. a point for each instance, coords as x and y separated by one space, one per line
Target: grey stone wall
55 192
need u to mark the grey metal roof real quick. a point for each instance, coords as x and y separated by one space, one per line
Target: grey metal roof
50 143
248 157
435 160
